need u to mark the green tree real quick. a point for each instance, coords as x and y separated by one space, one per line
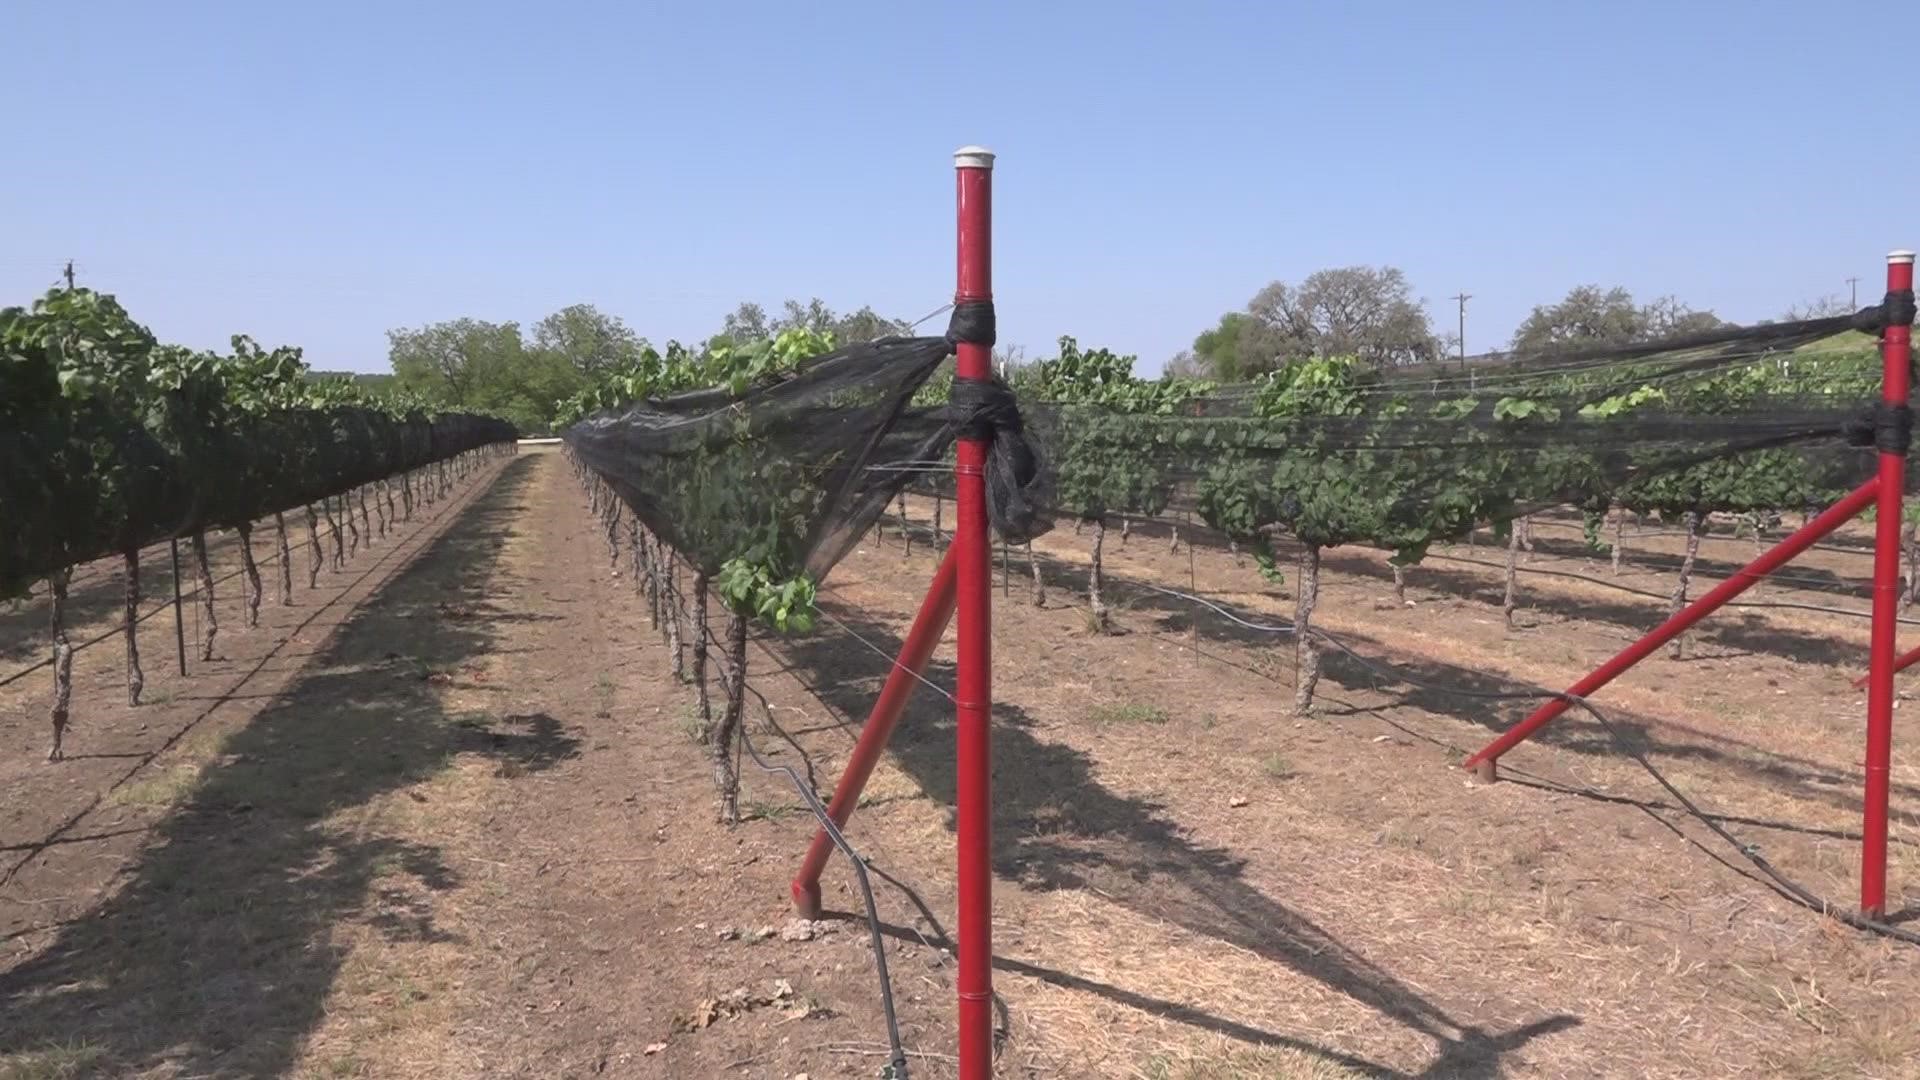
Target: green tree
451 361
866 325
1236 350
1590 315
1820 307
749 322
1361 311
1668 317
476 365
588 340
814 317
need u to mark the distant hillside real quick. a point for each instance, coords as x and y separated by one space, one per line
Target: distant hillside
370 380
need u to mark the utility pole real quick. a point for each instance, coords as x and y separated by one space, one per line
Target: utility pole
69 273
1853 293
1462 299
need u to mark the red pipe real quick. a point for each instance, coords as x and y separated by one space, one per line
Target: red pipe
973 769
1907 659
936 611
1772 559
1895 350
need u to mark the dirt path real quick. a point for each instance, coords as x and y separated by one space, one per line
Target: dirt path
599 921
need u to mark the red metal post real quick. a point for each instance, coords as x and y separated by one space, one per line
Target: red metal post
1907 659
1895 348
973 768
936 611
1772 559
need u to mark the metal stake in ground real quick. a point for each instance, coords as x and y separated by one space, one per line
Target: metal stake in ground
973 572
179 622
1895 356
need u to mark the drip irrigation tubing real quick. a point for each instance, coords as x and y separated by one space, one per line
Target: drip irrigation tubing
897 1052
1679 534
1196 530
861 863
34 849
825 820
119 628
1784 604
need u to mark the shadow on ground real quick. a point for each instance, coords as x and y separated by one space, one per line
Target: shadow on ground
1476 697
216 957
1057 827
1735 630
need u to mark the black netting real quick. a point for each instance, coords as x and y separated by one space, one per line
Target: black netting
85 481
791 473
1776 416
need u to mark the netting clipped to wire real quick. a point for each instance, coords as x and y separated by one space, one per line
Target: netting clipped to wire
785 471
1333 451
791 471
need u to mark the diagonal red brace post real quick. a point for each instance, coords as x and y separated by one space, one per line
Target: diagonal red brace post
936 611
1746 577
1906 660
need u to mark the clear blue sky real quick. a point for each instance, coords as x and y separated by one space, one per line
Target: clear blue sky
314 174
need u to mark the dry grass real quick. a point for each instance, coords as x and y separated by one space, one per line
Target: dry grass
68 1062
1129 712
163 791
1242 1064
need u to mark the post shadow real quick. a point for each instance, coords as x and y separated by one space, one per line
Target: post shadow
1057 827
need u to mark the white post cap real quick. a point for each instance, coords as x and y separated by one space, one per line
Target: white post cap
973 157
1901 256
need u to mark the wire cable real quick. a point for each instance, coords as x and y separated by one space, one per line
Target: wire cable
877 650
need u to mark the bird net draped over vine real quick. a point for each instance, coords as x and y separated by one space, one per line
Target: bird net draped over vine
789 474
87 480
111 440
1333 451
1330 450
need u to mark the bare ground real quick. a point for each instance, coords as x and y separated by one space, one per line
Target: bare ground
454 825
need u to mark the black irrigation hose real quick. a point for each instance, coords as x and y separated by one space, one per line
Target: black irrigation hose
1785 604
861 863
1642 533
1779 882
897 1064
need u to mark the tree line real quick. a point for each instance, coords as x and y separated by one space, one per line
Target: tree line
1371 313
1360 311
525 376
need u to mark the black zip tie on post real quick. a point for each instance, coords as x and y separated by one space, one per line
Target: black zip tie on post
1887 427
1896 310
985 409
972 323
